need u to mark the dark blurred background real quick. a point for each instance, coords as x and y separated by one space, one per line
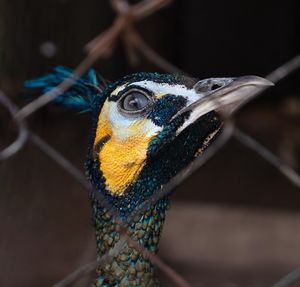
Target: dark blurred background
236 222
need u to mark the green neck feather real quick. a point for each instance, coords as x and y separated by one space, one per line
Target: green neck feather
128 267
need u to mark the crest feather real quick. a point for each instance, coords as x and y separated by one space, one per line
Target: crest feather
82 95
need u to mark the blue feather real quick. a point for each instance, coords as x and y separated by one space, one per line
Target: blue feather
82 95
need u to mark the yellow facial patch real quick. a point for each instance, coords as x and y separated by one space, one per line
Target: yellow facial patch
123 156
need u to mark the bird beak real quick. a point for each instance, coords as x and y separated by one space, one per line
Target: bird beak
224 95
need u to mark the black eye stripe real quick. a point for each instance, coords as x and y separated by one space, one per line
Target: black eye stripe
99 145
165 108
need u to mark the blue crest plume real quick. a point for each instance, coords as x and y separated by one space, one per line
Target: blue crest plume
82 95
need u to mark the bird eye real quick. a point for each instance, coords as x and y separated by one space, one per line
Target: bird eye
134 101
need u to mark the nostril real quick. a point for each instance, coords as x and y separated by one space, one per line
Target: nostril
215 86
209 85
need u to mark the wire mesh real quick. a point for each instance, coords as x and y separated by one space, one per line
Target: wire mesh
102 46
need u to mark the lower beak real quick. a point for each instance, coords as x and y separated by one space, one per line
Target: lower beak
224 95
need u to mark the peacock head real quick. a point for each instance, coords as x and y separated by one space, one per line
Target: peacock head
150 126
147 127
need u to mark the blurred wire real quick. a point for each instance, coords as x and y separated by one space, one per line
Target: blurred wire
285 70
60 160
102 46
251 143
289 279
170 272
225 134
14 147
89 267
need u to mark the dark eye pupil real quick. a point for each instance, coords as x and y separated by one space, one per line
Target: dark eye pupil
135 101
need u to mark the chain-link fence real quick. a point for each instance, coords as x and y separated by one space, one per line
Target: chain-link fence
123 29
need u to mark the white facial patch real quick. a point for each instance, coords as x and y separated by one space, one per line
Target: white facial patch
121 125
164 88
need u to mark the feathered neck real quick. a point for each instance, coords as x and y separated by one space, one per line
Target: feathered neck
129 267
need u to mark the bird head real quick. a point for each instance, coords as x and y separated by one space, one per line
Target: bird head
147 127
150 126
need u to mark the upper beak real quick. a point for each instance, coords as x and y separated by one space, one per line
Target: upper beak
224 95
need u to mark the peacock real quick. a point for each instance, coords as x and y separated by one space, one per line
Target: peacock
146 128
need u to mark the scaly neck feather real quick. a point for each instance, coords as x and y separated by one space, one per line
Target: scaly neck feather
129 267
